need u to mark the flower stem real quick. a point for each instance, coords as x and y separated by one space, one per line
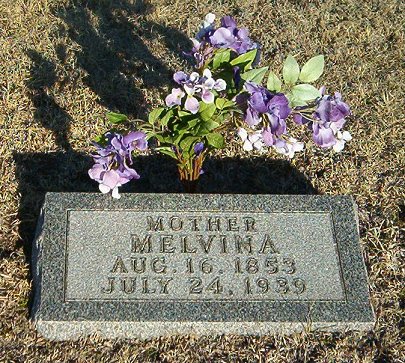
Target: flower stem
190 170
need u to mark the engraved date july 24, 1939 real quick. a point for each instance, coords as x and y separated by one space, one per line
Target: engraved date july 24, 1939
250 276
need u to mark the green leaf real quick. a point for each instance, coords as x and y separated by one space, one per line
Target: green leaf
245 60
273 82
155 114
166 118
116 118
215 140
305 92
101 140
255 75
182 113
295 101
186 117
291 70
207 110
167 151
205 128
222 103
187 142
312 69
210 125
178 137
193 122
221 57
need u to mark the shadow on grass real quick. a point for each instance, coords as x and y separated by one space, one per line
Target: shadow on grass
111 35
39 173
47 112
111 54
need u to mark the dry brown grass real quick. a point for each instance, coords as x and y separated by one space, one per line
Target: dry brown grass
64 63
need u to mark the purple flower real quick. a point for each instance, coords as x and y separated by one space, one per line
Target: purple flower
191 103
268 138
272 108
332 109
135 140
207 84
229 36
228 22
198 148
222 38
207 27
180 77
202 52
323 136
327 120
111 169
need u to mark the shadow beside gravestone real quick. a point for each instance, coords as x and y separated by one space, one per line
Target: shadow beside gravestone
39 173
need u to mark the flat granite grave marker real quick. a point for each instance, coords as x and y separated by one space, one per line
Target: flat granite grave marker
157 264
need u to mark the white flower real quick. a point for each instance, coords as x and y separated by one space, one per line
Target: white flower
291 146
105 189
209 20
194 77
220 85
206 27
252 141
341 138
208 84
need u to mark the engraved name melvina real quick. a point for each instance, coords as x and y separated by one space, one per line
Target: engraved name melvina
203 257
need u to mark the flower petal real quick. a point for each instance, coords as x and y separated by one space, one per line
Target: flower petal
208 97
175 97
220 85
242 133
115 193
133 136
209 18
189 90
180 77
104 188
252 118
339 146
222 38
192 105
268 137
111 179
247 146
207 73
323 137
228 22
194 77
346 136
198 148
96 171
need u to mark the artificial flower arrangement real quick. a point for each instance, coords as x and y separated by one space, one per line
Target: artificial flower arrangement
225 93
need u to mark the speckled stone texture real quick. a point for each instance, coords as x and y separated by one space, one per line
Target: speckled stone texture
149 265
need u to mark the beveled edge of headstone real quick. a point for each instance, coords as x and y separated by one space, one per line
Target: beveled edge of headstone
60 331
57 320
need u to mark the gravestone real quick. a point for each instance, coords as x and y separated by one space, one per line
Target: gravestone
158 264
